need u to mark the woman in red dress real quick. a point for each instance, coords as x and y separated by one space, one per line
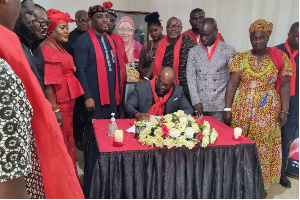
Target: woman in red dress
61 86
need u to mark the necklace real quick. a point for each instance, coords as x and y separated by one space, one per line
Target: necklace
248 68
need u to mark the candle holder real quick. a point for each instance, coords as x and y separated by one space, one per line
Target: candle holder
118 140
138 129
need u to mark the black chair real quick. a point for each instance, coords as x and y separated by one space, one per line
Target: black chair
128 89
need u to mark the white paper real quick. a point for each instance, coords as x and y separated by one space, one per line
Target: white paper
152 117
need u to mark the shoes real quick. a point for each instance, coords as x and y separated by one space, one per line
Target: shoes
79 145
285 182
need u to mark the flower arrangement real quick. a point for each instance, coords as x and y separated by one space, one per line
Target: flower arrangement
177 130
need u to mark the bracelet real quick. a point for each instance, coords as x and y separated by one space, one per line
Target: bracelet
146 78
55 111
285 112
56 108
227 109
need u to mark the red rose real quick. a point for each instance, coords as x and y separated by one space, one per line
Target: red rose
107 5
165 131
200 121
162 119
199 136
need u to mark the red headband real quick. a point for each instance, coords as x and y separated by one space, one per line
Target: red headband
56 17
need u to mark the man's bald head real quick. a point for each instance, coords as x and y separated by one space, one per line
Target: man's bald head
82 20
167 74
175 18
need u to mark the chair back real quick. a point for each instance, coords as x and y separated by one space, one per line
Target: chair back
128 89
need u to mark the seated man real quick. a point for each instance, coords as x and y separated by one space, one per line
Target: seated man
158 97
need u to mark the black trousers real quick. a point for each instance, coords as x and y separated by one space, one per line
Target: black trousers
78 123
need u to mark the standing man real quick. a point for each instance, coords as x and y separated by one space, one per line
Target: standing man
83 25
99 74
207 71
24 30
120 46
290 130
196 17
173 51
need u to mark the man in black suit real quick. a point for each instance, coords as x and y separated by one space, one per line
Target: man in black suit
168 97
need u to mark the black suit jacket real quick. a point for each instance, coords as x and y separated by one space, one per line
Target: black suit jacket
142 99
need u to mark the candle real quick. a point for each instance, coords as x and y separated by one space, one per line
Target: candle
119 136
237 132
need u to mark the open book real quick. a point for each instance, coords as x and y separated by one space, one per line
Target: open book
152 117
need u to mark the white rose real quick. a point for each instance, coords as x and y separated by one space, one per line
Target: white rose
205 141
206 123
206 132
169 125
191 118
179 113
190 144
183 120
154 122
174 133
181 127
213 138
168 118
196 127
189 132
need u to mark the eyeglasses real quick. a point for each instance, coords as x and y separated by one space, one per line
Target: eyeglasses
161 83
176 26
43 23
122 30
83 20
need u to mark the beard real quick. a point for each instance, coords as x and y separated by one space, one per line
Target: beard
24 29
160 93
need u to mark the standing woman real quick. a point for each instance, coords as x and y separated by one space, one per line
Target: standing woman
61 86
257 97
147 53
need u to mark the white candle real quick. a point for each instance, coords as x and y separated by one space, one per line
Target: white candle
237 132
119 136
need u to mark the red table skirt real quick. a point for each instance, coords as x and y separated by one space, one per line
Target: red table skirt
105 142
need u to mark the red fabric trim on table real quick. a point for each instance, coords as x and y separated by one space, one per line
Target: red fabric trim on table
105 142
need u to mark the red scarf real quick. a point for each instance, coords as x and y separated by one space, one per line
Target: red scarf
59 178
159 107
160 54
212 50
121 57
276 57
101 69
292 58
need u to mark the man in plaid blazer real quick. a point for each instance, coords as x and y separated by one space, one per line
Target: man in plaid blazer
207 71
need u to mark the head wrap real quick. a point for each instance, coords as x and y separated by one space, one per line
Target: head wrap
126 19
93 10
261 25
56 17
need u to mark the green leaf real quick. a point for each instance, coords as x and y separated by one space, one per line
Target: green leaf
202 127
189 124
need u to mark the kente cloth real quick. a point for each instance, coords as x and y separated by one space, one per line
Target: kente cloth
292 57
256 107
100 61
261 25
187 44
159 107
56 17
59 177
122 59
196 38
160 54
210 53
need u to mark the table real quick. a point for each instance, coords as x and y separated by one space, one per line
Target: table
227 169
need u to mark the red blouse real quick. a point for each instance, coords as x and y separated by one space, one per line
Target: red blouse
59 72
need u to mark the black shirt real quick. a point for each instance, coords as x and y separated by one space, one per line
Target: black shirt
72 38
35 58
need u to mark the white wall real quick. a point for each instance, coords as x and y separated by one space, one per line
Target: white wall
233 16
